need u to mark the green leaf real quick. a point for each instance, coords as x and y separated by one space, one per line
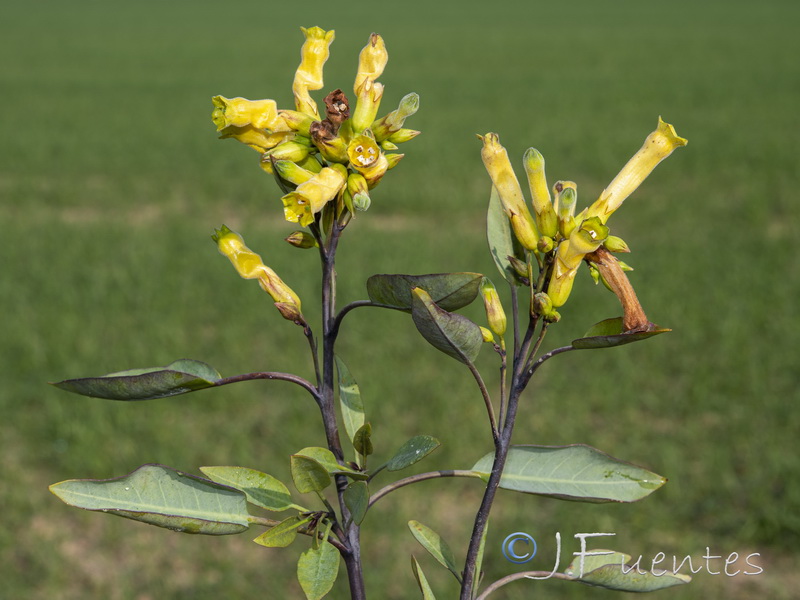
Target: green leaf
362 441
164 497
606 571
435 545
349 400
608 333
261 489
283 533
479 560
317 570
424 586
325 457
451 291
502 243
356 498
308 475
413 451
179 377
453 334
576 472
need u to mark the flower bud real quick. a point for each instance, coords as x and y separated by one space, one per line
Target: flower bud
368 101
388 146
658 146
393 159
371 61
359 191
546 244
546 218
616 244
566 199
297 121
293 151
403 135
239 112
495 314
310 197
313 54
301 239
495 159
393 122
487 335
292 172
520 268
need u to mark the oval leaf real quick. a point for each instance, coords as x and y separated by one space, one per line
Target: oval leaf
502 243
362 441
164 497
308 475
453 334
608 333
317 570
283 533
435 545
349 400
179 377
424 586
577 472
606 570
451 291
325 457
356 498
413 451
261 489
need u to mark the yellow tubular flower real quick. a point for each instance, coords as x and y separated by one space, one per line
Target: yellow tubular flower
546 218
658 146
310 197
366 158
369 100
583 240
258 139
313 54
292 172
371 61
250 266
239 112
495 159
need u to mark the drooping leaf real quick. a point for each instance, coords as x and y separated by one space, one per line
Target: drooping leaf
283 534
606 570
325 457
356 498
413 451
261 489
422 581
308 475
435 545
450 291
317 570
608 333
179 377
164 497
576 472
502 242
362 441
453 334
349 400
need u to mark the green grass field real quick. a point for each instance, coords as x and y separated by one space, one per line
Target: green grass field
112 180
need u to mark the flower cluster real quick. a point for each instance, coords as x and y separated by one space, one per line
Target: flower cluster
555 231
329 163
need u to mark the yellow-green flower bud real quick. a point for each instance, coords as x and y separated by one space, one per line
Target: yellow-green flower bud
371 61
616 244
488 338
495 159
566 199
301 239
368 101
250 266
293 151
546 218
403 135
495 315
542 305
546 244
520 268
313 54
239 112
658 146
297 121
388 146
393 122
292 172
258 139
310 197
393 159
359 191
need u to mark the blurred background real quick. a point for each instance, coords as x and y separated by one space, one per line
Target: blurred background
112 180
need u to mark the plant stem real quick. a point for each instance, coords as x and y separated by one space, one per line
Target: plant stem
271 375
522 575
420 477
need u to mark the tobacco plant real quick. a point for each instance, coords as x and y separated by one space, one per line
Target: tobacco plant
328 163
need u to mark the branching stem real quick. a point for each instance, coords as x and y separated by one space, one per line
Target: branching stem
416 478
